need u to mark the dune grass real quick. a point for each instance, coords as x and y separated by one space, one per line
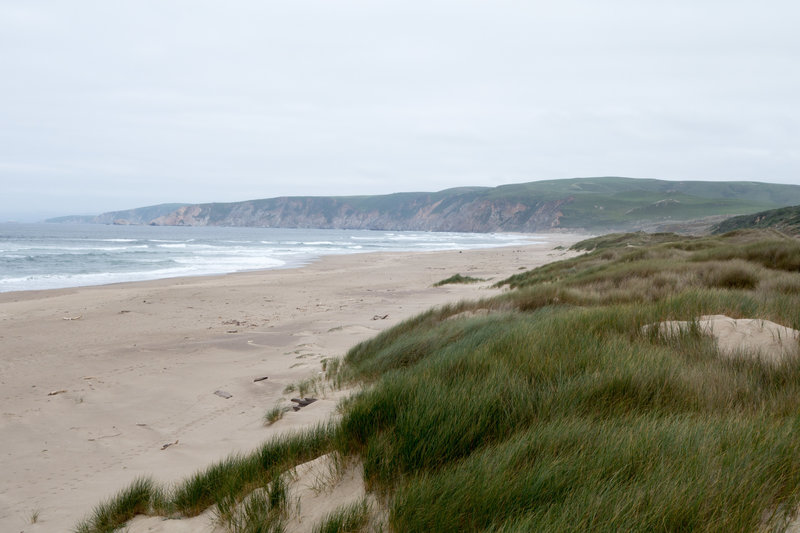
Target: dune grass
351 518
457 278
560 410
315 384
140 497
241 474
222 484
274 414
262 511
571 419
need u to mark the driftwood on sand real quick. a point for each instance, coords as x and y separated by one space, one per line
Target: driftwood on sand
302 402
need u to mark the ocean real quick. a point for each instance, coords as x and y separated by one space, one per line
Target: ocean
51 256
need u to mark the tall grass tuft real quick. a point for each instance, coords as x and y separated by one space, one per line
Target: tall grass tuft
273 415
351 518
262 511
241 474
732 274
138 498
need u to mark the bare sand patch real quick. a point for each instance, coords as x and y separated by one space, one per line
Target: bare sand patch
742 337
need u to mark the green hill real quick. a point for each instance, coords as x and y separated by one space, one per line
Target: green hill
786 219
614 203
589 204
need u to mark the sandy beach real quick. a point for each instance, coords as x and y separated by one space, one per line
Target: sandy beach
95 381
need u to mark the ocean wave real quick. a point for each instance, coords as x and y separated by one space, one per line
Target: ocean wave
183 268
51 257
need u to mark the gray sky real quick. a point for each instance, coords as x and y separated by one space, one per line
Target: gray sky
107 105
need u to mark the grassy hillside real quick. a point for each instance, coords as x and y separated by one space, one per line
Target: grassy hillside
594 204
584 203
613 202
786 219
552 408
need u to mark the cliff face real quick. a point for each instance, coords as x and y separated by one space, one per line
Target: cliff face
420 214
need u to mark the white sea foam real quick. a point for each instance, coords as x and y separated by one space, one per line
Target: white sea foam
45 256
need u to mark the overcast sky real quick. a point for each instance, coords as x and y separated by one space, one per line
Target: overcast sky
107 105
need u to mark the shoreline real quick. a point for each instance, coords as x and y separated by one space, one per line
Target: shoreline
558 238
88 257
97 379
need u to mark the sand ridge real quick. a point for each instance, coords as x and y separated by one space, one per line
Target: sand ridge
132 367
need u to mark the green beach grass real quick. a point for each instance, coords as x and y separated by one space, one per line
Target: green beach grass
346 519
457 278
555 409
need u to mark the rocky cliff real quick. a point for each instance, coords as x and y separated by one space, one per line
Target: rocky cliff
417 213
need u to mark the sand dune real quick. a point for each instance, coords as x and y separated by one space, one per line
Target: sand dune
96 381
